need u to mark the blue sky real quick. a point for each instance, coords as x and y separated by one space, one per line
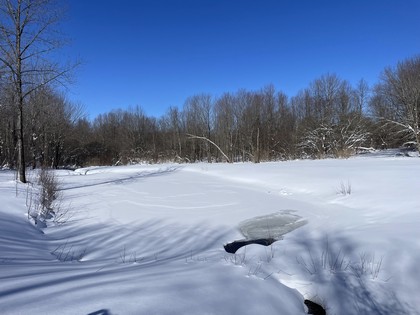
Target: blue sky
156 53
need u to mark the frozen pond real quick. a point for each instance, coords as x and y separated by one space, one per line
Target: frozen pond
273 226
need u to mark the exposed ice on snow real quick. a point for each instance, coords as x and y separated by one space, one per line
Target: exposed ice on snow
273 225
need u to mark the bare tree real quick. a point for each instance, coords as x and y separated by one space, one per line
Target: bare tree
48 120
7 128
397 99
27 41
174 126
361 95
330 114
198 111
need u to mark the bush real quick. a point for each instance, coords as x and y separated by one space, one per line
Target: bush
44 200
344 188
49 191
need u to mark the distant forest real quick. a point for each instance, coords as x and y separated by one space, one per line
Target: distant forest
329 118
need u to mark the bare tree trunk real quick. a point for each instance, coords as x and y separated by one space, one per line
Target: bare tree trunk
21 148
19 91
258 146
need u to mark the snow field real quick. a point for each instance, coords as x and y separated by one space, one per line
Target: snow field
148 239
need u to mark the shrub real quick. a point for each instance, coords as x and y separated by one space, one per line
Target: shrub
49 191
344 188
44 200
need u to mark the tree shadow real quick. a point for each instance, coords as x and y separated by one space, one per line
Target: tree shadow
124 179
329 263
101 312
115 256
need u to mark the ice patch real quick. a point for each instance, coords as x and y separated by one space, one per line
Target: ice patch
273 225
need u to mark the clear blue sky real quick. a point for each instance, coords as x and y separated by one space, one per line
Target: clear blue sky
156 53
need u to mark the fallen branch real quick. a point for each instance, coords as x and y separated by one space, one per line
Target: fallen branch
208 140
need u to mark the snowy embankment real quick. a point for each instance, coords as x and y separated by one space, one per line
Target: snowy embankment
148 239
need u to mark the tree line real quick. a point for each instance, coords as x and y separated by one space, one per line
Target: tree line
329 118
39 127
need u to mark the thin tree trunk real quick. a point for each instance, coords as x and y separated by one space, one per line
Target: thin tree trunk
19 90
21 148
258 146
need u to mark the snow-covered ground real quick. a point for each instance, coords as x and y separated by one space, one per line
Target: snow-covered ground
148 239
